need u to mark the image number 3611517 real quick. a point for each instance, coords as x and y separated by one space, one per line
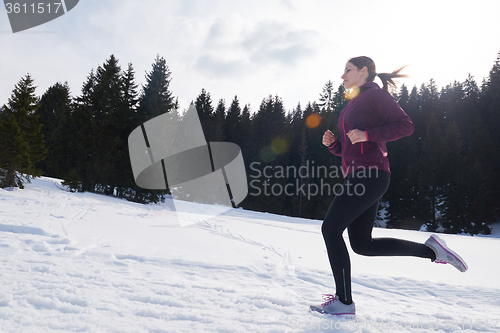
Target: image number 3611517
24 15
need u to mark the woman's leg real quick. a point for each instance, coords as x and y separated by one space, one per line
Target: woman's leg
359 194
360 237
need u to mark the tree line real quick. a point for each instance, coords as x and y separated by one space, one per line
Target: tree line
443 176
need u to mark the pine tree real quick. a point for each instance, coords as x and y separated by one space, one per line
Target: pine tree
302 152
269 120
232 123
130 93
482 146
456 218
430 162
246 134
403 97
491 102
126 119
470 112
156 98
422 103
218 119
205 111
340 99
106 110
270 143
481 202
493 92
403 207
326 99
103 119
21 142
414 112
79 134
482 177
54 111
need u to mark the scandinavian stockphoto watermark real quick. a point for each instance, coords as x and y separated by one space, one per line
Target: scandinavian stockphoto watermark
171 152
427 324
28 14
308 181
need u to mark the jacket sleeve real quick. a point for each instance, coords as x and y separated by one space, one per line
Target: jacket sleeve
397 123
336 148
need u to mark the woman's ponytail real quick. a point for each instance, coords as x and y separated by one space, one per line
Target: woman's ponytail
386 78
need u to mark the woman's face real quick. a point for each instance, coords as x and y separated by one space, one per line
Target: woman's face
354 77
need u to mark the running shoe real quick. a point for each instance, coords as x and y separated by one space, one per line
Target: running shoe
444 255
333 306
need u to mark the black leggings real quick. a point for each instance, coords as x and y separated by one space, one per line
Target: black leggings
356 209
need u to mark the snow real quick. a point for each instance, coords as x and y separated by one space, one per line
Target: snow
81 262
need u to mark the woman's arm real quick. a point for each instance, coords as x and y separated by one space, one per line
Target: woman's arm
397 123
332 143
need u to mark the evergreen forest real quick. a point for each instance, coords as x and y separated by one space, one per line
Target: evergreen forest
444 176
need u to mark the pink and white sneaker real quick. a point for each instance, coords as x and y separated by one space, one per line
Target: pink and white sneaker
333 306
444 255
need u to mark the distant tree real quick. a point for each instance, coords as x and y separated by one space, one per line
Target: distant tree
246 134
232 125
490 101
79 131
130 92
103 117
403 97
21 142
100 132
430 165
125 120
211 127
54 111
465 110
269 147
156 97
340 99
269 121
403 207
303 201
456 217
204 105
218 121
326 99
492 92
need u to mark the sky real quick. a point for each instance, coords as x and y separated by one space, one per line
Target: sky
253 49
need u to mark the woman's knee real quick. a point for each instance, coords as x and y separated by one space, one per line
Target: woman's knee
329 229
335 224
325 229
360 246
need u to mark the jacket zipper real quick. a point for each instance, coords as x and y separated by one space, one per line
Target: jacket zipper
361 148
345 135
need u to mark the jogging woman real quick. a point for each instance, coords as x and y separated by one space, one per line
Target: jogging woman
371 119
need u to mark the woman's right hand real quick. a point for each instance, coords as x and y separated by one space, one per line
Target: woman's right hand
328 138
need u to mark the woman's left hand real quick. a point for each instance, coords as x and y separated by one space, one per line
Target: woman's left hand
356 136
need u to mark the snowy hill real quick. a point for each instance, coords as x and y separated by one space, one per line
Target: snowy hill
80 262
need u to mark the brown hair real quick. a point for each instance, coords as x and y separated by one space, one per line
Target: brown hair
386 78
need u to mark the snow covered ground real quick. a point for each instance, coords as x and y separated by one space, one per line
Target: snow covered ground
80 262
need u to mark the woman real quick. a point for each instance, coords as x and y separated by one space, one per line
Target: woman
371 119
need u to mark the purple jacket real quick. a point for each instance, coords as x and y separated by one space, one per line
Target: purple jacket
376 112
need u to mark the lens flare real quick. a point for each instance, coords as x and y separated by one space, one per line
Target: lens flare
267 154
350 94
279 146
313 120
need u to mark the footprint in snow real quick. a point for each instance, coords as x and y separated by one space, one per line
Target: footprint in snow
40 248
